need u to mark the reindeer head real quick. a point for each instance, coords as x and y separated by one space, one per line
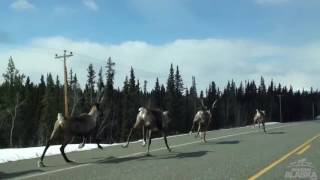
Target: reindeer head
263 112
166 118
96 107
260 112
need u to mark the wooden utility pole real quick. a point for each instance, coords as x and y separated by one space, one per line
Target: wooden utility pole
280 107
65 56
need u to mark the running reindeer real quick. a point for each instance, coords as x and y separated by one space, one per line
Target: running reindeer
260 118
203 117
69 127
151 120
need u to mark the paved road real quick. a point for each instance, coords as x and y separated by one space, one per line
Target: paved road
239 153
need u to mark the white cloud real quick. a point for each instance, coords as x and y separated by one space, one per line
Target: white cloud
209 60
91 4
22 5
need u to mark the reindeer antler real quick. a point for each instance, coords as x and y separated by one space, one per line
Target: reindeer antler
214 103
100 96
202 104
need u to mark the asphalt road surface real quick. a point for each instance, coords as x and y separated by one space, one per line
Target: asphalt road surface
289 150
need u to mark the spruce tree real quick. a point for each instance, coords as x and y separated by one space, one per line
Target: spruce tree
91 82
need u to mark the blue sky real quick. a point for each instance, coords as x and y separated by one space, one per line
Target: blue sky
279 21
274 28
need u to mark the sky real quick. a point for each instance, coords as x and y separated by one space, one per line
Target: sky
213 40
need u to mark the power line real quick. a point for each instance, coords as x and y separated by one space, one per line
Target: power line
99 60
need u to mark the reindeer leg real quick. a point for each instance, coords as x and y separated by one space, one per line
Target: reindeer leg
83 142
193 124
52 137
205 133
98 143
149 140
64 144
198 132
40 163
143 137
128 139
165 140
264 127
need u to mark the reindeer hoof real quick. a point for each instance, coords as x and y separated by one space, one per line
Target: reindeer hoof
170 150
125 146
143 144
100 147
148 154
41 164
190 133
81 146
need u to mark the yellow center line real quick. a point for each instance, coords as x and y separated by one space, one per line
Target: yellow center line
303 150
275 163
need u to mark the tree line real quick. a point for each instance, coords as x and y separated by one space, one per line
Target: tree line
28 110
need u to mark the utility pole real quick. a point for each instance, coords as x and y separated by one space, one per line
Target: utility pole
65 56
280 107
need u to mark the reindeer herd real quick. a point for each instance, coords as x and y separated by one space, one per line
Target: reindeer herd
147 119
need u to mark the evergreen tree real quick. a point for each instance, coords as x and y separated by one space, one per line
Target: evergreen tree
12 99
48 111
100 83
178 82
91 82
110 72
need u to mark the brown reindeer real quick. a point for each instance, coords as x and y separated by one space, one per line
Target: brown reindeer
260 118
203 118
151 120
69 127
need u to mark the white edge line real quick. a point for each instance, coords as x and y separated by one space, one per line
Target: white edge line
159 149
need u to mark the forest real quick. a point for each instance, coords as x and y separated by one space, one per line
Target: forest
28 110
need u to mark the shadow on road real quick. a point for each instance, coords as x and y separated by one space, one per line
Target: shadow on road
171 155
280 132
177 155
119 160
222 142
16 174
229 142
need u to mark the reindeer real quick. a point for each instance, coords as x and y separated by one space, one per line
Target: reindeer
69 127
203 117
260 118
151 120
